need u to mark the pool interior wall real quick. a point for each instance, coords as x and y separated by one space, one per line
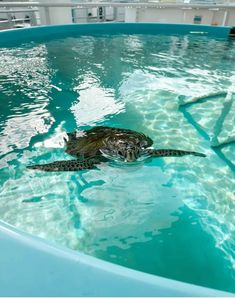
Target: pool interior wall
38 268
13 37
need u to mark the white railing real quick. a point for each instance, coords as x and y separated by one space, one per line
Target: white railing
207 3
13 17
14 14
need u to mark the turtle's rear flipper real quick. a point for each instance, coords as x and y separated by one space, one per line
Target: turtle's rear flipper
65 165
172 152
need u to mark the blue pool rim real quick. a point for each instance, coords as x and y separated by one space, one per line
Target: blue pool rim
40 33
30 266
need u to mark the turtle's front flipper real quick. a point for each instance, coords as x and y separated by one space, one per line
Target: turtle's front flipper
65 165
171 152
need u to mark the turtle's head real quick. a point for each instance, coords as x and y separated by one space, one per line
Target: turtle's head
123 150
128 153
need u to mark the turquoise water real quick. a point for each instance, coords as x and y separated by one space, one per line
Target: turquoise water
172 217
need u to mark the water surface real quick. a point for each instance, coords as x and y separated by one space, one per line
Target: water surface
172 217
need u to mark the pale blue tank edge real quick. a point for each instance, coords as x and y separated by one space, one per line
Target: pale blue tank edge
31 266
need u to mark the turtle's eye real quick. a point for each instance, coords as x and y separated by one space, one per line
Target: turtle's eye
120 152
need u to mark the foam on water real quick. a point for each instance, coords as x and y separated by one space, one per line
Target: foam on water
168 216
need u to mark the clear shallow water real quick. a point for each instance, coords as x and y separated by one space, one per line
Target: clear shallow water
172 217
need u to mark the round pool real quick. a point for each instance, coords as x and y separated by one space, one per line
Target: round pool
171 217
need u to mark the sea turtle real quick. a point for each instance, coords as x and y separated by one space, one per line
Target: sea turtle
102 143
